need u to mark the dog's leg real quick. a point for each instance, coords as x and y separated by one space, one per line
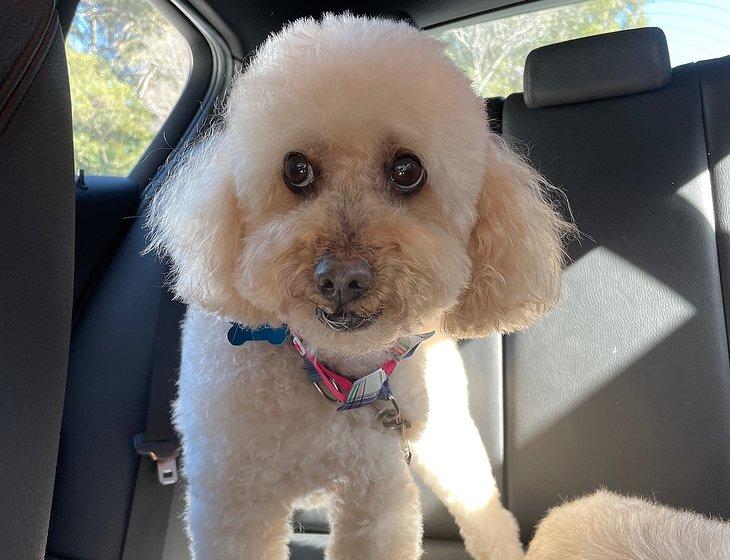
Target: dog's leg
452 461
224 524
377 514
450 458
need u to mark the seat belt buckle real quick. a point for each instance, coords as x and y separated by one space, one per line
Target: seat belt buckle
167 470
164 453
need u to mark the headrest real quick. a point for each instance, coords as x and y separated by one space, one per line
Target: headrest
597 67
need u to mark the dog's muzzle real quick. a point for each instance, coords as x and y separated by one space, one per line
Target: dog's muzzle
343 280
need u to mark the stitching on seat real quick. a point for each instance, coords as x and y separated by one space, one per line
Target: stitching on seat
714 191
25 57
30 71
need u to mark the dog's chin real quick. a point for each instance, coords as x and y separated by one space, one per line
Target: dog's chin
349 333
341 321
346 334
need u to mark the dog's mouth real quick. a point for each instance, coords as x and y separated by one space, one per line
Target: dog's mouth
342 321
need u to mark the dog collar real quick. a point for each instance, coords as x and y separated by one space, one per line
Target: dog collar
351 393
354 393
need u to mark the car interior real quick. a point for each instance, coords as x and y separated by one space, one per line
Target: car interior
626 386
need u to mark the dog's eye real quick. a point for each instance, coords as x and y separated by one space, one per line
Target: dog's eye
407 173
297 172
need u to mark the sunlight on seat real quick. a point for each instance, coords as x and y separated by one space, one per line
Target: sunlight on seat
625 311
700 198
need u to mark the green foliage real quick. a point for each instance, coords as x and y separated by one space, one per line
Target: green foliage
493 53
127 67
111 126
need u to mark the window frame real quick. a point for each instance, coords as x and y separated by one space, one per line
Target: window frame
499 12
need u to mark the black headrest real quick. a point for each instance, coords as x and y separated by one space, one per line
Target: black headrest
597 67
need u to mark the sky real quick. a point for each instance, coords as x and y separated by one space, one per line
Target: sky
695 29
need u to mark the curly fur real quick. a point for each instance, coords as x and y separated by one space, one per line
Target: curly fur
606 525
478 249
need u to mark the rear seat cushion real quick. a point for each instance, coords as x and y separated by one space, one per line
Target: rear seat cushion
599 67
627 385
311 546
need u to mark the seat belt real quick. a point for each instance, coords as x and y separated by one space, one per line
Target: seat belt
158 445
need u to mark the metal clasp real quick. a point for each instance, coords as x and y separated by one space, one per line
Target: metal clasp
324 393
167 470
164 453
391 419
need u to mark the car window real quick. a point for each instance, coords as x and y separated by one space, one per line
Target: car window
493 52
128 66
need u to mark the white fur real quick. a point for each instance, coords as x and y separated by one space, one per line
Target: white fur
477 250
258 437
606 526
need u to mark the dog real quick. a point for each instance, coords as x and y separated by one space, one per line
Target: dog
352 192
607 525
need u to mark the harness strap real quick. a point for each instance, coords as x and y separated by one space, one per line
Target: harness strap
337 385
367 389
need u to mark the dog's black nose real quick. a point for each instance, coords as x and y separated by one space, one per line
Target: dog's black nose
342 280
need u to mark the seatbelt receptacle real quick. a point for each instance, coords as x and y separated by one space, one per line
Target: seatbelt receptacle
163 452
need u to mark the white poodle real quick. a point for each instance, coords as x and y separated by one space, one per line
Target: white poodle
353 193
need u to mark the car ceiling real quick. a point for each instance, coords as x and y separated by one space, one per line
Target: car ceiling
250 22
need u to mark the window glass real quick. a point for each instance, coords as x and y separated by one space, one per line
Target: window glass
493 53
128 66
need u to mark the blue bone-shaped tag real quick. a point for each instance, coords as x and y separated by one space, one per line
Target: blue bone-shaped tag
238 334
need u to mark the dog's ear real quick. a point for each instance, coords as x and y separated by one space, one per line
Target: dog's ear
516 250
197 220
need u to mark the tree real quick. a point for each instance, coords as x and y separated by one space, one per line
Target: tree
111 125
493 53
127 67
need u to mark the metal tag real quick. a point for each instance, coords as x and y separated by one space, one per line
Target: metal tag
390 419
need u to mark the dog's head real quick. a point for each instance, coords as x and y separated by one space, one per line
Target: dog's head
353 191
